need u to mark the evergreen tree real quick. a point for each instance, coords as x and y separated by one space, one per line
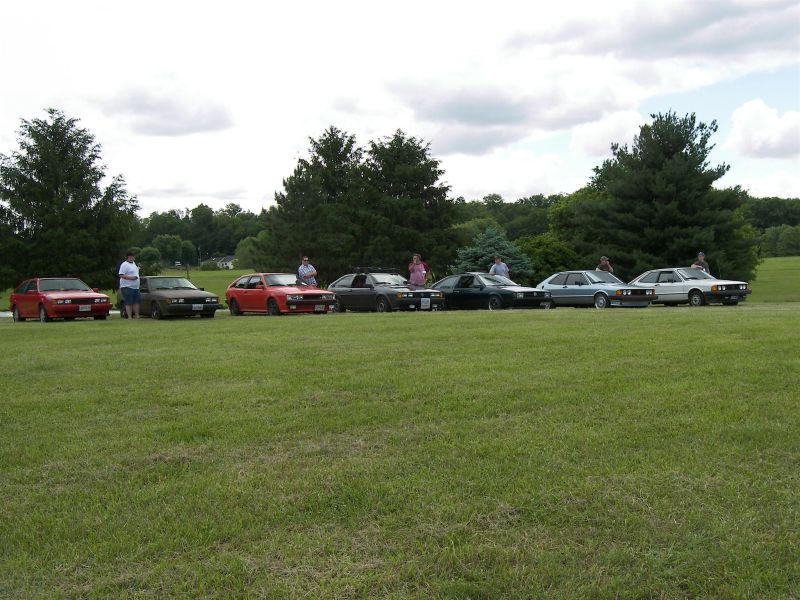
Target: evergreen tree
479 256
55 218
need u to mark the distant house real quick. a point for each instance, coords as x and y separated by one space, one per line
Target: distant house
226 262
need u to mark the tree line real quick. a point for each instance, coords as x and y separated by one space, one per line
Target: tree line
345 205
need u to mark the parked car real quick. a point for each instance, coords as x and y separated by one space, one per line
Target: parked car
693 286
48 298
382 290
595 288
483 290
276 294
165 296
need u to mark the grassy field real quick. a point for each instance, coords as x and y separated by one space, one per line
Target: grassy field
554 454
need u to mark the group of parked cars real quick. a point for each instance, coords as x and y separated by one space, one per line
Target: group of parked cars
381 290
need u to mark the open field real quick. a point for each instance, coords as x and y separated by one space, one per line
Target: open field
554 454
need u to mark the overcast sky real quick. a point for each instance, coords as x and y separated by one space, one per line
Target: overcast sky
214 102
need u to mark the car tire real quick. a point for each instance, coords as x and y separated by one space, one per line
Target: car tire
207 315
494 303
600 301
383 305
696 298
233 306
43 318
100 317
155 311
272 308
548 305
15 315
338 307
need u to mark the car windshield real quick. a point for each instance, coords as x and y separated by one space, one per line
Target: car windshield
692 273
63 285
171 283
602 277
496 280
282 279
388 279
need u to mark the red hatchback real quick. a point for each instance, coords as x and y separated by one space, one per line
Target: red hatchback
275 294
47 298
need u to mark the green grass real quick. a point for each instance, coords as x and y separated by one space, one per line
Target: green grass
778 280
555 454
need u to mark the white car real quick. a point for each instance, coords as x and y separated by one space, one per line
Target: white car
682 285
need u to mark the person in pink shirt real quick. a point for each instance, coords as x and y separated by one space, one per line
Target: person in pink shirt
418 271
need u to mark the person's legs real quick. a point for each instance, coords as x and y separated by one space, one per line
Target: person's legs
136 302
127 298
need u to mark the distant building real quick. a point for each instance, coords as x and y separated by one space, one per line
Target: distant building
226 262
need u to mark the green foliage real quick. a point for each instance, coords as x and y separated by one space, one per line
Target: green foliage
149 261
764 213
55 217
188 253
345 207
783 240
170 246
479 256
548 254
653 205
252 251
209 265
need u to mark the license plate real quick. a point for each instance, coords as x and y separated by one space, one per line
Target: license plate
425 303
84 308
197 307
319 308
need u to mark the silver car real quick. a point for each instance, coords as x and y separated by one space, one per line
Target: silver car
693 286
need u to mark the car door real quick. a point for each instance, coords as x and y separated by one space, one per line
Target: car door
144 291
342 287
255 295
28 300
447 287
557 288
576 290
670 288
462 294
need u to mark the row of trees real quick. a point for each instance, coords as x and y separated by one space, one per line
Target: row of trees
346 205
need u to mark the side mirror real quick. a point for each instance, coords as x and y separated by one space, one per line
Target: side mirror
97 290
259 286
202 289
31 292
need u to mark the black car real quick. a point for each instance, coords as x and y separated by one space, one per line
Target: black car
483 290
383 291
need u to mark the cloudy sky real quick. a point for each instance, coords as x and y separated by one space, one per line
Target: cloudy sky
215 102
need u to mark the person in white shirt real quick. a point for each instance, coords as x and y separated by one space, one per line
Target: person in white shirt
129 286
499 267
307 273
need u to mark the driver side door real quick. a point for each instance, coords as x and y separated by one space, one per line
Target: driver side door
670 288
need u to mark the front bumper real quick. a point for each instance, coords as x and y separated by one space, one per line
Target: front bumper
417 304
186 309
727 295
64 311
310 305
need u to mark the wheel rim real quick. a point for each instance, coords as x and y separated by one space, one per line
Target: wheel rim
600 301
695 299
155 313
381 305
234 308
494 303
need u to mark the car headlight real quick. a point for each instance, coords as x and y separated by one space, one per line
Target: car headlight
519 295
294 297
743 286
404 295
212 300
436 294
100 300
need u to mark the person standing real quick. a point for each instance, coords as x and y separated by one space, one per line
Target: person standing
417 271
499 267
701 263
306 273
129 286
605 265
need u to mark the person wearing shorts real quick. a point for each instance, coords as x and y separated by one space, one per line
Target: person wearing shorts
129 286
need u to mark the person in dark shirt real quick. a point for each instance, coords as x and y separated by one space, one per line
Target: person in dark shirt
701 263
605 265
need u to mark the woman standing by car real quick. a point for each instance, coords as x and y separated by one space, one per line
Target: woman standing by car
418 272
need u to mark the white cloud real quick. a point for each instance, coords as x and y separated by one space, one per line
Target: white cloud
759 131
781 184
595 139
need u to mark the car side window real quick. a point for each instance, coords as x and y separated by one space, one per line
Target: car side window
465 281
144 286
23 287
360 281
242 283
447 284
254 281
575 279
560 279
344 282
650 278
667 277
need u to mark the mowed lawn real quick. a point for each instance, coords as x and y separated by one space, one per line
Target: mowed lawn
549 454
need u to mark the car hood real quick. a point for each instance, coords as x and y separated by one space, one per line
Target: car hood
181 294
296 289
516 288
74 294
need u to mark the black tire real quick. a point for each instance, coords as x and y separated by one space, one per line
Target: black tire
155 312
696 298
43 318
383 305
339 308
548 305
233 306
272 308
100 317
600 301
494 303
15 315
208 315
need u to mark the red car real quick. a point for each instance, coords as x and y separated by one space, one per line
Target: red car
47 298
275 294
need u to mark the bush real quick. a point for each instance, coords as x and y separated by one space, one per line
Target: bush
209 265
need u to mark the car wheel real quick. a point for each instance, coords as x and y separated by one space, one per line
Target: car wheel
100 317
155 312
233 306
15 315
494 303
601 301
43 318
383 305
548 304
696 298
207 315
272 308
338 307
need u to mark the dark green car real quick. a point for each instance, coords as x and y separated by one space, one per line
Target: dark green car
167 296
483 290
